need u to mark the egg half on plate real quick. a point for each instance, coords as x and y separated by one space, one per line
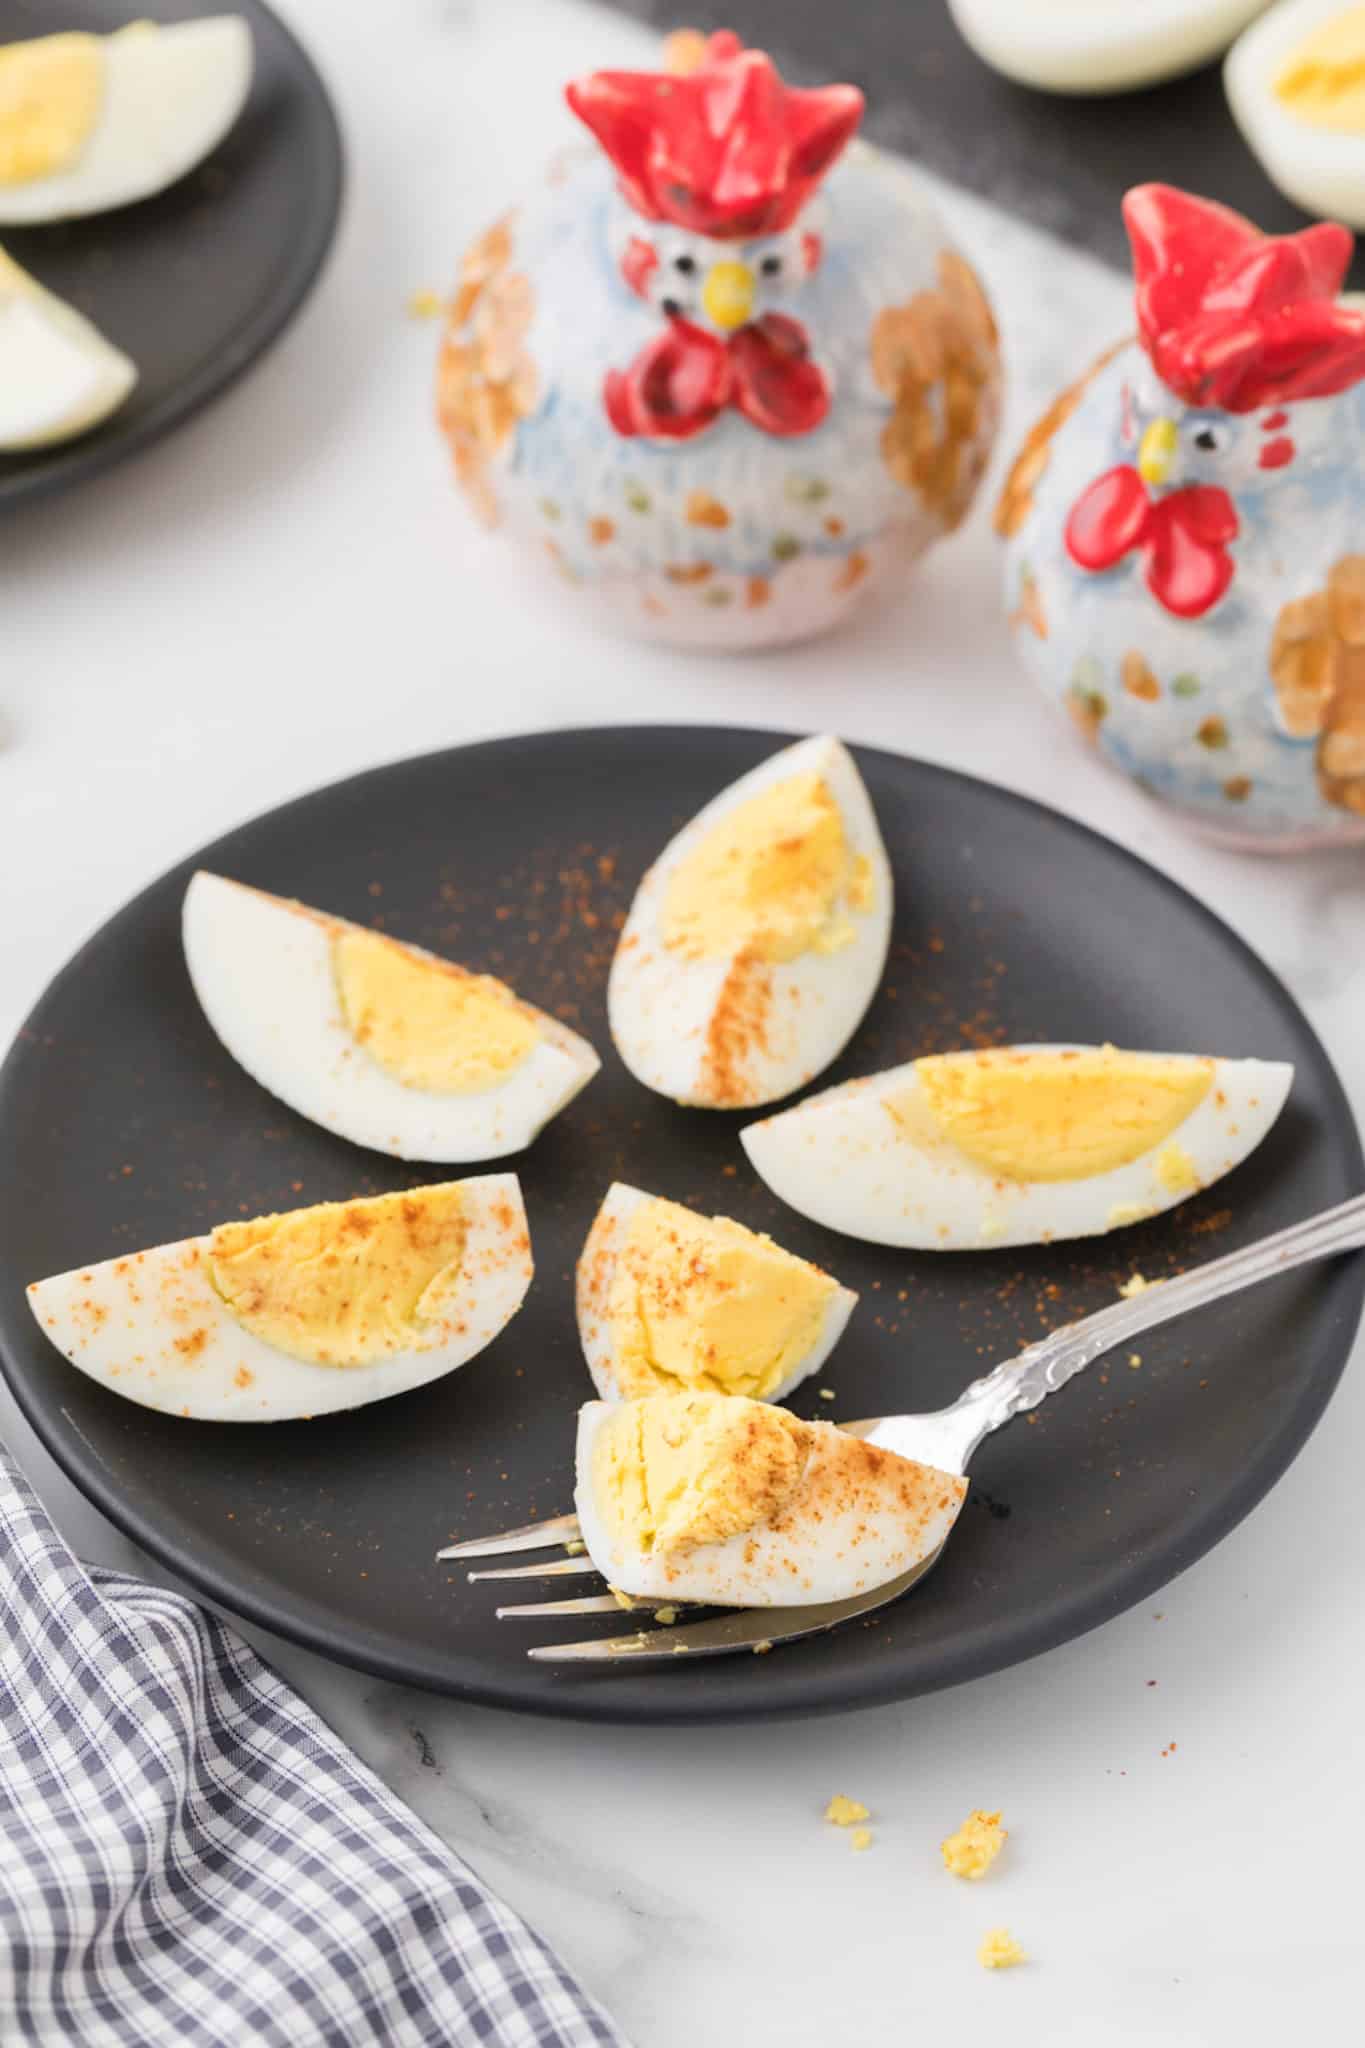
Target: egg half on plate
1016 1146
382 1042
670 1300
278 1317
58 375
92 122
709 1497
1296 85
1099 46
757 940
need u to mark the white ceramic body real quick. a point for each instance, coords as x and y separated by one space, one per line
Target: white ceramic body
812 523
1213 740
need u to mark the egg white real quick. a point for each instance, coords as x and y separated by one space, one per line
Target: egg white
169 99
842 1160
661 1006
1319 170
58 375
596 1269
262 969
135 1323
811 1554
1098 46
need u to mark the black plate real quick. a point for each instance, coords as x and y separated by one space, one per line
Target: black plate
124 1123
195 283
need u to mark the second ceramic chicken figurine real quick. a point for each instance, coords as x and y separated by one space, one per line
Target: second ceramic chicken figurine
725 370
1186 530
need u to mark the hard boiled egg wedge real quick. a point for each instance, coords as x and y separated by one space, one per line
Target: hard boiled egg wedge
383 1043
756 941
58 375
1016 1146
91 122
713 1498
1296 85
1099 46
671 1301
300 1314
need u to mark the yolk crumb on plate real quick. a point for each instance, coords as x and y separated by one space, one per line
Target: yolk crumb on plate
862 1838
972 1850
1000 1950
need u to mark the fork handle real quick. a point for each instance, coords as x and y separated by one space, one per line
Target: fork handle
1026 1381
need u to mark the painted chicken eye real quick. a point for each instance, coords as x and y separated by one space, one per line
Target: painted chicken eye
672 308
686 264
1210 438
771 265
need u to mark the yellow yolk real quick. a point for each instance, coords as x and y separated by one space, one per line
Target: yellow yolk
701 1302
50 95
972 1850
843 1812
427 1022
1323 83
773 879
1000 1950
1049 1116
679 1470
344 1283
1176 1170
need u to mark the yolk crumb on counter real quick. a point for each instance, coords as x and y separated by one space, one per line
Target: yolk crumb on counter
845 1813
1000 1950
972 1850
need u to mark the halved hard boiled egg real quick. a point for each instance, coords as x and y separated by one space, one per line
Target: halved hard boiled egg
58 375
672 1301
1296 85
1016 1146
382 1042
714 1498
1099 46
91 122
299 1314
756 941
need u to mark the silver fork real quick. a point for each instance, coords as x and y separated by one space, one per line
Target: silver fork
947 1438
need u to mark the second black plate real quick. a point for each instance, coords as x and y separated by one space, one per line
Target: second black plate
196 282
124 1123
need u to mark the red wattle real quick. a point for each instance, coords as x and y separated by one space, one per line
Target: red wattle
681 382
777 386
1183 537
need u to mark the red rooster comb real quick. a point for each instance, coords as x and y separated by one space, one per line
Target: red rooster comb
725 149
1234 318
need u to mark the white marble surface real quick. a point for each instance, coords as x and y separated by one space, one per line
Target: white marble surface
290 591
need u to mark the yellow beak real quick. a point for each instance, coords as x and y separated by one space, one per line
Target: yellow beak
727 296
1156 451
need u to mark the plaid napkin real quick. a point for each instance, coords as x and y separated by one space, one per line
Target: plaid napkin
189 1858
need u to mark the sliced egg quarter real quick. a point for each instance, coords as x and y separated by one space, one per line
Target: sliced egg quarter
1295 82
757 940
280 1317
1018 1145
714 1498
672 1301
377 1040
58 375
91 122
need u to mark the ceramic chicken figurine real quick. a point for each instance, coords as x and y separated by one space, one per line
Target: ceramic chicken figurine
724 369
1186 530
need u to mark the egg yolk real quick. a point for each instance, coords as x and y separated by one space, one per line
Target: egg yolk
972 1850
1051 1116
345 1283
772 879
675 1471
427 1022
50 95
701 1302
1323 83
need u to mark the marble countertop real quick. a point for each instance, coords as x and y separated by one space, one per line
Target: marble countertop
289 591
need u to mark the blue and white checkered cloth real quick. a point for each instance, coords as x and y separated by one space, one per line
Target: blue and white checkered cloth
189 1858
